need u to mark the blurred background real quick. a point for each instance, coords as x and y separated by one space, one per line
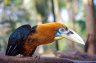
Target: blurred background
14 13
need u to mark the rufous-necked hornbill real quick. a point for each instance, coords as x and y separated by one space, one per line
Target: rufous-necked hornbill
25 39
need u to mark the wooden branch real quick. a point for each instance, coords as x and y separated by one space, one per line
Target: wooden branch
66 58
76 56
11 59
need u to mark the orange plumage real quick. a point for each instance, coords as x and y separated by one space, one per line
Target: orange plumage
44 34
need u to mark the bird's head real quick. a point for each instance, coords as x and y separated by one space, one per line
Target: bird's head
61 31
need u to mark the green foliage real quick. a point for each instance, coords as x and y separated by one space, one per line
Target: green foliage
7 2
62 44
42 8
10 16
17 2
62 3
81 24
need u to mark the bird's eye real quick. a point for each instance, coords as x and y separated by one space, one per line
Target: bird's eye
61 30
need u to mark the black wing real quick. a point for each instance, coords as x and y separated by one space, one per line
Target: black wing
16 40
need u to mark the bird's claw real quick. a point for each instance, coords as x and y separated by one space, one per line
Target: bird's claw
36 57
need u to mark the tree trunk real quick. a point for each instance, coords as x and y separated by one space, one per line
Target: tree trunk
90 46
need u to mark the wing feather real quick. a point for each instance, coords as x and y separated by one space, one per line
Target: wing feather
16 40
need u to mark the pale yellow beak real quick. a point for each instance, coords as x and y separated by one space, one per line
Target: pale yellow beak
71 35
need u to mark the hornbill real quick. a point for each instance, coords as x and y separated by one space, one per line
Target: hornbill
25 39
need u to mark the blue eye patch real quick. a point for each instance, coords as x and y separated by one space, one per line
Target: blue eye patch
58 34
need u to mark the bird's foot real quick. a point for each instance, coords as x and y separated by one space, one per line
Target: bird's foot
36 57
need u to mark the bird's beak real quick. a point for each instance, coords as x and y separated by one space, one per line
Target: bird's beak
71 35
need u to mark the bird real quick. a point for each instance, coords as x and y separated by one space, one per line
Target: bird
25 39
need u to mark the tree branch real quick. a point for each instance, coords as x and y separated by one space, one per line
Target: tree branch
11 59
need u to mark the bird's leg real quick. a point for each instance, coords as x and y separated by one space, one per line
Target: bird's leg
36 57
